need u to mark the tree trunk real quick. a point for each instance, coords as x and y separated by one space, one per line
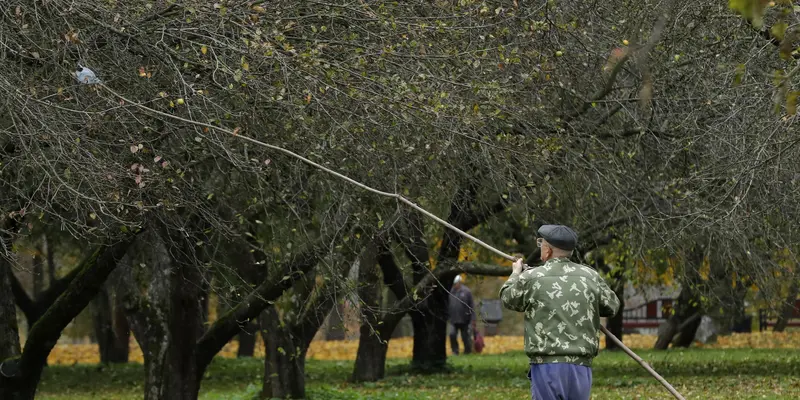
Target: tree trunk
371 355
687 331
685 308
247 340
287 340
186 324
788 309
21 375
430 318
122 335
370 363
111 328
164 304
9 332
374 335
335 329
102 321
666 332
170 366
430 343
284 361
615 323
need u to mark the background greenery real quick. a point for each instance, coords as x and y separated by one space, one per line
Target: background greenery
696 373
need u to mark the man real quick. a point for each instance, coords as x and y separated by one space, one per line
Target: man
563 302
461 315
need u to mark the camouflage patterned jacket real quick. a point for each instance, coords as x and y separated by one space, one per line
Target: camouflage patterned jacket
563 303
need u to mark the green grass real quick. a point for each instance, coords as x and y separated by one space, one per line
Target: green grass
696 373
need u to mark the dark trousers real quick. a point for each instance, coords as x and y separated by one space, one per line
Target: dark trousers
466 337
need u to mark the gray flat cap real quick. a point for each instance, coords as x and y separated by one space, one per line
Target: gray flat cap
559 236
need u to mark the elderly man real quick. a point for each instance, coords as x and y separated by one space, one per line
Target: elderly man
461 315
563 302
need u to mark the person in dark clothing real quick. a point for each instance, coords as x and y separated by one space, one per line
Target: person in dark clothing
461 316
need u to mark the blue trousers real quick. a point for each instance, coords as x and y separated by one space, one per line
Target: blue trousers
560 382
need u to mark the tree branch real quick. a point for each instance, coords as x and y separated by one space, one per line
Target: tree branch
228 325
24 302
392 276
612 78
414 246
316 310
35 308
91 275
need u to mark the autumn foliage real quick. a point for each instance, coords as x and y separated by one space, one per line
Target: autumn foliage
345 350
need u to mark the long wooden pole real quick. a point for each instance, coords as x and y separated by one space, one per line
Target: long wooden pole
401 199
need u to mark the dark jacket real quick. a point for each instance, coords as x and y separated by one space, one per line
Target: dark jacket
461 306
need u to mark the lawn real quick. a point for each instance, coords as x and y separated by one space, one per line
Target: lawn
696 373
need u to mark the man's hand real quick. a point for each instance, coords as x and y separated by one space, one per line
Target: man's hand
517 267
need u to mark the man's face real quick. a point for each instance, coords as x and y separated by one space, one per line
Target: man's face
456 285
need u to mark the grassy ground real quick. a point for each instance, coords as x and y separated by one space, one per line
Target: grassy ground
345 350
696 373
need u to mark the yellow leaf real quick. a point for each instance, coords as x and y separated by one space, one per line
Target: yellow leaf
345 350
739 74
752 10
791 102
204 50
779 30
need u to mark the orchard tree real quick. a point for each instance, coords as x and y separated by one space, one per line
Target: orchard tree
556 111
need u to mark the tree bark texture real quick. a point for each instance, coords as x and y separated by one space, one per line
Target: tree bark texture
688 330
284 362
111 328
370 365
686 307
287 339
371 354
430 329
9 331
615 323
164 308
247 340
34 308
248 273
9 334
